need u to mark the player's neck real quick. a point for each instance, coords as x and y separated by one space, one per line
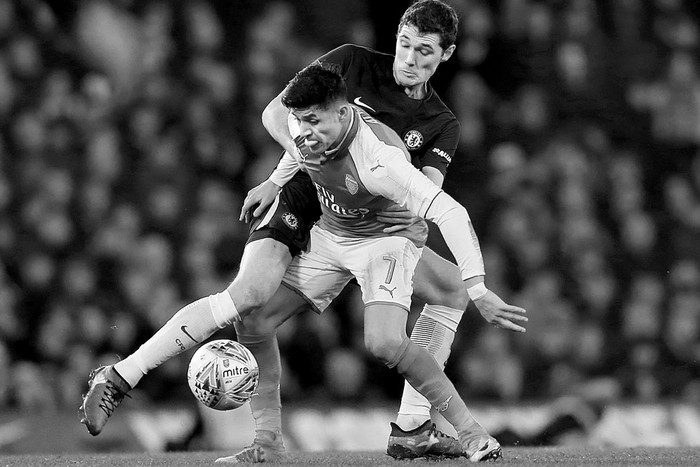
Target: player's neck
418 91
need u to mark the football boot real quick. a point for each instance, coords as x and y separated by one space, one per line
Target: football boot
107 390
424 441
482 448
267 446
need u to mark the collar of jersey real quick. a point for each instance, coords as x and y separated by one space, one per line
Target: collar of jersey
428 92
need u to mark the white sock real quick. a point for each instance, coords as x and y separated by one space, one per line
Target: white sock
435 331
189 327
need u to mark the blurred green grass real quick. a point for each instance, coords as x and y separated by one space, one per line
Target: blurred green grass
546 456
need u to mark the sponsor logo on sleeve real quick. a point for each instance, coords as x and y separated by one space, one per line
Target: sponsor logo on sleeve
442 154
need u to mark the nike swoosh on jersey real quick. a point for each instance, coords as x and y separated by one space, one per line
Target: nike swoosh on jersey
357 101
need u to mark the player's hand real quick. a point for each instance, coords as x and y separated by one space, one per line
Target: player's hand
259 198
498 313
401 218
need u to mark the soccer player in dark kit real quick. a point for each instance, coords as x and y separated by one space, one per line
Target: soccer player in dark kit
396 91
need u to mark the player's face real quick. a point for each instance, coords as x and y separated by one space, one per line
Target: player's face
320 127
417 56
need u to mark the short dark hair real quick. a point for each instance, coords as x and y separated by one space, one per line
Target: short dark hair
433 16
314 85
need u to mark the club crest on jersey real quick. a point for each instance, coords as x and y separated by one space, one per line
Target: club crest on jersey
351 184
291 220
413 140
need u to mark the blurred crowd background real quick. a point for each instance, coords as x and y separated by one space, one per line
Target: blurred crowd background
130 133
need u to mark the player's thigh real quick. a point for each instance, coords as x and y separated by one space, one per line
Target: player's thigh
438 281
260 273
319 274
385 329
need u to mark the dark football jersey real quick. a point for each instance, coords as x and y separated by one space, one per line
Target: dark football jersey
427 127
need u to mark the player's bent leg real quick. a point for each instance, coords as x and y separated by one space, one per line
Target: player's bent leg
260 274
187 328
258 333
413 420
385 338
262 268
419 369
198 321
435 279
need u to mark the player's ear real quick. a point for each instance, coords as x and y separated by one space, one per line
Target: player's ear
448 53
343 111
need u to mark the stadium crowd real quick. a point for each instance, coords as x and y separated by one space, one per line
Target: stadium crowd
578 162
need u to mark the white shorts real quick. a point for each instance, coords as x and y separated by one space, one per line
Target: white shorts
383 267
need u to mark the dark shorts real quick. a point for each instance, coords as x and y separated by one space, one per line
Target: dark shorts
290 218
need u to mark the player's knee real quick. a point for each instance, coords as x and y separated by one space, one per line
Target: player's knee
455 296
449 293
383 346
254 323
250 297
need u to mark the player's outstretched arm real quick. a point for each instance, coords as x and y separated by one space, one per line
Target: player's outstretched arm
453 221
500 314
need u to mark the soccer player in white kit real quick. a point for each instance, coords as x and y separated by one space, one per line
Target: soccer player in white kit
360 167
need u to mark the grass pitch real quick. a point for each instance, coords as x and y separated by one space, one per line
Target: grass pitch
547 456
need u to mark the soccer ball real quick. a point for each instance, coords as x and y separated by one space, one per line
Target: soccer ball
223 374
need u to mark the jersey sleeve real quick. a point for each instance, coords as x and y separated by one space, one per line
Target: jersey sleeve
289 164
392 176
338 59
285 170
